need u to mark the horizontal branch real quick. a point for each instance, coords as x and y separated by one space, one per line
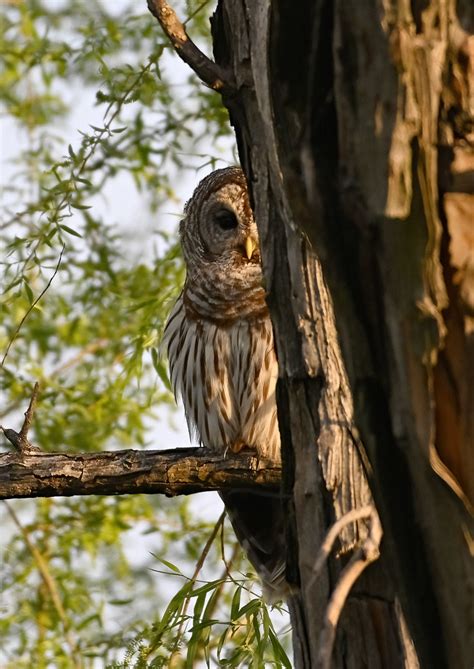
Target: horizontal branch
180 471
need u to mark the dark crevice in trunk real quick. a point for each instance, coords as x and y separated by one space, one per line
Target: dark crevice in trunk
402 538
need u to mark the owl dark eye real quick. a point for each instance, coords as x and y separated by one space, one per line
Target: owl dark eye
226 219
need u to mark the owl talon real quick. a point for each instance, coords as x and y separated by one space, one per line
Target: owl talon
240 446
236 448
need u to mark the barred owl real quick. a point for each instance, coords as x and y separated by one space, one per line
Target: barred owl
222 359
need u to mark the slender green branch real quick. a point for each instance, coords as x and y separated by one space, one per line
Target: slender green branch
32 306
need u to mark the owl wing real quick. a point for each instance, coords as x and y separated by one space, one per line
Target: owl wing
176 346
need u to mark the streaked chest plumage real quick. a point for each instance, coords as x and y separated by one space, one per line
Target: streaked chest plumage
226 374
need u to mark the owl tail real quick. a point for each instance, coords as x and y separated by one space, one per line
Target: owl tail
258 523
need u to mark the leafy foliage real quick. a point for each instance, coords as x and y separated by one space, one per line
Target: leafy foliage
88 582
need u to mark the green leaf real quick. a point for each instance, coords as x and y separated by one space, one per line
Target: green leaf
235 606
69 230
212 585
279 651
168 564
86 182
249 608
195 631
29 292
169 618
79 205
160 368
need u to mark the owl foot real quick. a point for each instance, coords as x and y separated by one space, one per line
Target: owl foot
240 446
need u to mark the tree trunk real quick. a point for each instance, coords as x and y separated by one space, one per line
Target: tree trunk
353 125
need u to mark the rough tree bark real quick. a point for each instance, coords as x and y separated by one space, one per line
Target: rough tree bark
354 126
178 471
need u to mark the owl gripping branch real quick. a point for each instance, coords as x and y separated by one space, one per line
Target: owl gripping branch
30 472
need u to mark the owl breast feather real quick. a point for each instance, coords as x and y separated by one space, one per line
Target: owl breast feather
226 377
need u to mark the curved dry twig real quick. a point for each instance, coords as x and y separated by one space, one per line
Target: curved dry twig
333 533
207 70
362 557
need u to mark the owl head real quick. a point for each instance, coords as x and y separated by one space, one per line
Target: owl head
219 228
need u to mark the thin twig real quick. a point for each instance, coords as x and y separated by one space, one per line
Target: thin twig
32 306
363 556
78 357
29 413
207 70
192 581
75 174
50 584
20 439
223 557
228 565
67 364
196 11
207 547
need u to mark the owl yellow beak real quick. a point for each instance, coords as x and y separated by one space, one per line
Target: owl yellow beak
250 246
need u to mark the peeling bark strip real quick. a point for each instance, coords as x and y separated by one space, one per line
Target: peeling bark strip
180 471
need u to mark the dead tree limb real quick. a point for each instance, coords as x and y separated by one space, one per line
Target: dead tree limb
208 71
181 471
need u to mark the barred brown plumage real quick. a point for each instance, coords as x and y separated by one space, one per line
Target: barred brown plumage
221 353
